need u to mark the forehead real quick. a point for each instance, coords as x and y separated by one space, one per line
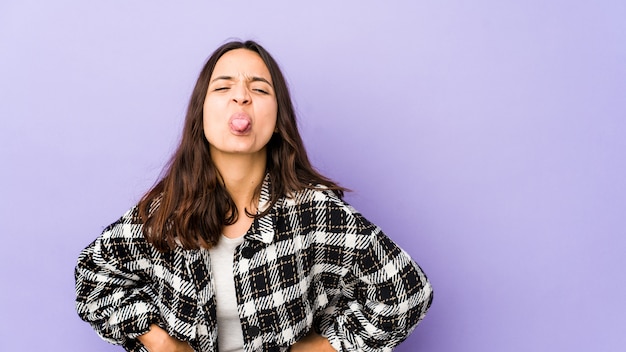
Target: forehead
241 62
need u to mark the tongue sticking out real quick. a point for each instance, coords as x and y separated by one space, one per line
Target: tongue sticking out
240 124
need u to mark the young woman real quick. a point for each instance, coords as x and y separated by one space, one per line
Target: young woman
243 246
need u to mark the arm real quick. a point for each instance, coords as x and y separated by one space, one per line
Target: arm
383 299
112 290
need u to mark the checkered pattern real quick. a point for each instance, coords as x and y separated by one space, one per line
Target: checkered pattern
312 262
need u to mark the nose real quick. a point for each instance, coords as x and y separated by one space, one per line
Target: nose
241 94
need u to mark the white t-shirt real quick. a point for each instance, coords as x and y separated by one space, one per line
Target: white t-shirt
229 332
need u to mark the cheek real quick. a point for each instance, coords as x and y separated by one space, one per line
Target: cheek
272 122
272 114
211 107
210 127
209 116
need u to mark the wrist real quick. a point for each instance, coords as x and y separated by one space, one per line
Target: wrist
154 337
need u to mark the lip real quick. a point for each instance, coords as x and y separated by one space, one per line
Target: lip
240 123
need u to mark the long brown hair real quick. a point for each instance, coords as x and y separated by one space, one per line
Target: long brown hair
190 205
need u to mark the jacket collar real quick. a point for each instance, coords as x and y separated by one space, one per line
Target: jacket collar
265 225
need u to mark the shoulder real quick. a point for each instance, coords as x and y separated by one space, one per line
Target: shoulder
325 207
317 196
123 236
128 225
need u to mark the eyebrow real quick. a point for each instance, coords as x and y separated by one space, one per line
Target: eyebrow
251 79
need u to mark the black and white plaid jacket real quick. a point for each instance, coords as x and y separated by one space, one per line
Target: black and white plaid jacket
312 262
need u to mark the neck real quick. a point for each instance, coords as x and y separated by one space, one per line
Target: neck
242 175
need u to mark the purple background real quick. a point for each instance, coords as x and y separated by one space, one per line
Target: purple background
487 138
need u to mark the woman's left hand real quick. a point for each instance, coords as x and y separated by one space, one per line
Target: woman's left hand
313 342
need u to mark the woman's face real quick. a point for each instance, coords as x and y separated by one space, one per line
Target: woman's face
240 107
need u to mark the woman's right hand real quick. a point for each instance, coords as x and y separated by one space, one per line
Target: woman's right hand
158 340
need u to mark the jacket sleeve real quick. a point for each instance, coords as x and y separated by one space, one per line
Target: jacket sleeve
383 298
112 288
